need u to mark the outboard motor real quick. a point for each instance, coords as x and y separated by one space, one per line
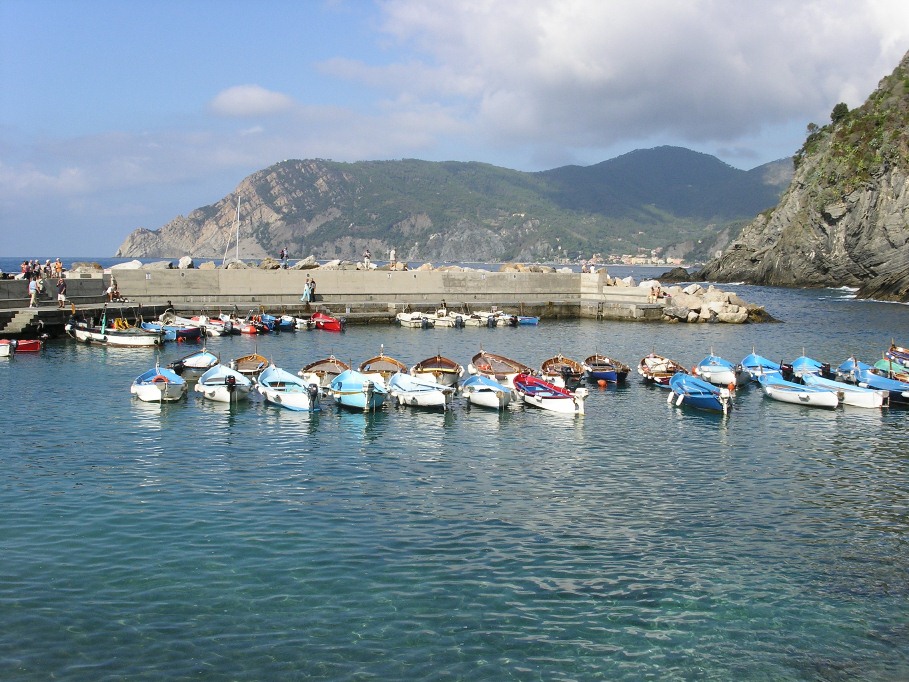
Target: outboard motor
313 391
459 322
786 371
825 370
343 322
177 366
424 323
229 327
231 383
368 387
490 321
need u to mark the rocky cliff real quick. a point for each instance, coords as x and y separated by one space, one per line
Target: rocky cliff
844 220
469 211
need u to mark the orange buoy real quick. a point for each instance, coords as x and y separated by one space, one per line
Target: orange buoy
601 383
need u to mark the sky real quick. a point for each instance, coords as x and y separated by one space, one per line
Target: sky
119 114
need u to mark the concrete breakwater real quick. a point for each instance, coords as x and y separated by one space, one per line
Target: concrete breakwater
375 295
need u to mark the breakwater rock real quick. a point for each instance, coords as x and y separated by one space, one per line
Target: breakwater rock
695 303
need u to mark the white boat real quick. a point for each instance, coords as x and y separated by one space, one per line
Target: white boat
224 385
440 369
543 394
119 334
418 392
445 318
718 371
158 385
485 392
200 360
850 394
6 348
358 391
497 367
777 388
282 388
414 320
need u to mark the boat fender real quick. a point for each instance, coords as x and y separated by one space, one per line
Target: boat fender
731 386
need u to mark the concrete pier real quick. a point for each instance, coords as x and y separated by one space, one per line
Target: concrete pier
361 296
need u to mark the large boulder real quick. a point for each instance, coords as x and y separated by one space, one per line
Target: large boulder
186 263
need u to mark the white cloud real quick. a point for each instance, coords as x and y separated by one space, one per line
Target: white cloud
250 100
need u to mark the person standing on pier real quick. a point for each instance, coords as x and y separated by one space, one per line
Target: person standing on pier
366 256
392 257
61 292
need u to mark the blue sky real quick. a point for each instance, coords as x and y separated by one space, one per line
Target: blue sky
119 114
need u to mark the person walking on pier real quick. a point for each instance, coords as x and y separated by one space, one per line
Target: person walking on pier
33 292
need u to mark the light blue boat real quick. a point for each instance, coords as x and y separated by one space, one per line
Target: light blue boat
357 391
718 371
485 392
757 366
804 365
282 388
863 374
690 390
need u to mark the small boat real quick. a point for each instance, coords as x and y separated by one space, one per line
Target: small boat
898 354
321 372
755 366
357 391
541 393
850 394
603 368
856 372
210 326
200 360
382 366
497 367
562 371
415 320
658 369
251 324
327 322
697 392
443 317
485 392
223 384
117 332
890 369
173 331
282 388
777 388
719 371
6 348
419 392
528 319
803 366
159 385
27 345
250 365
169 333
442 370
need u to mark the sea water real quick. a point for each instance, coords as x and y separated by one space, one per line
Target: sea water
641 541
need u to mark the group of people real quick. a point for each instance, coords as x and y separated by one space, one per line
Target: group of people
36 288
309 290
30 269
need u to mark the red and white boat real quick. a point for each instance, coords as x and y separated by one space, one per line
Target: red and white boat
543 394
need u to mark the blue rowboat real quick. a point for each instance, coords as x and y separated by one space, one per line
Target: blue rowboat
158 385
357 391
777 388
282 388
690 390
757 365
864 375
718 371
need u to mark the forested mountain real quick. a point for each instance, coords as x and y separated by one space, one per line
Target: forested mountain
458 211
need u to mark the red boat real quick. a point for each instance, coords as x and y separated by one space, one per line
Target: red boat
28 345
327 322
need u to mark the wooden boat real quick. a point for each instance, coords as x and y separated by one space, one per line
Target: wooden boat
419 392
850 394
719 371
485 392
357 391
442 370
158 385
251 365
327 322
697 392
282 388
117 333
562 371
200 360
382 366
755 366
658 369
321 372
777 388
415 320
223 384
603 368
541 393
898 354
497 367
887 368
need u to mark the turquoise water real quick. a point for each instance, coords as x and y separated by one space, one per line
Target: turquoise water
203 541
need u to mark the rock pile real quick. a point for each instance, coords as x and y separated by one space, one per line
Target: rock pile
694 303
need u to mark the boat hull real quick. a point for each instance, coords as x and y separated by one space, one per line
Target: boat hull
287 390
484 392
416 392
223 385
798 394
159 385
131 338
547 396
698 393
851 394
356 391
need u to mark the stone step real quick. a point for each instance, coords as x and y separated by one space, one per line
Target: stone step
20 320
